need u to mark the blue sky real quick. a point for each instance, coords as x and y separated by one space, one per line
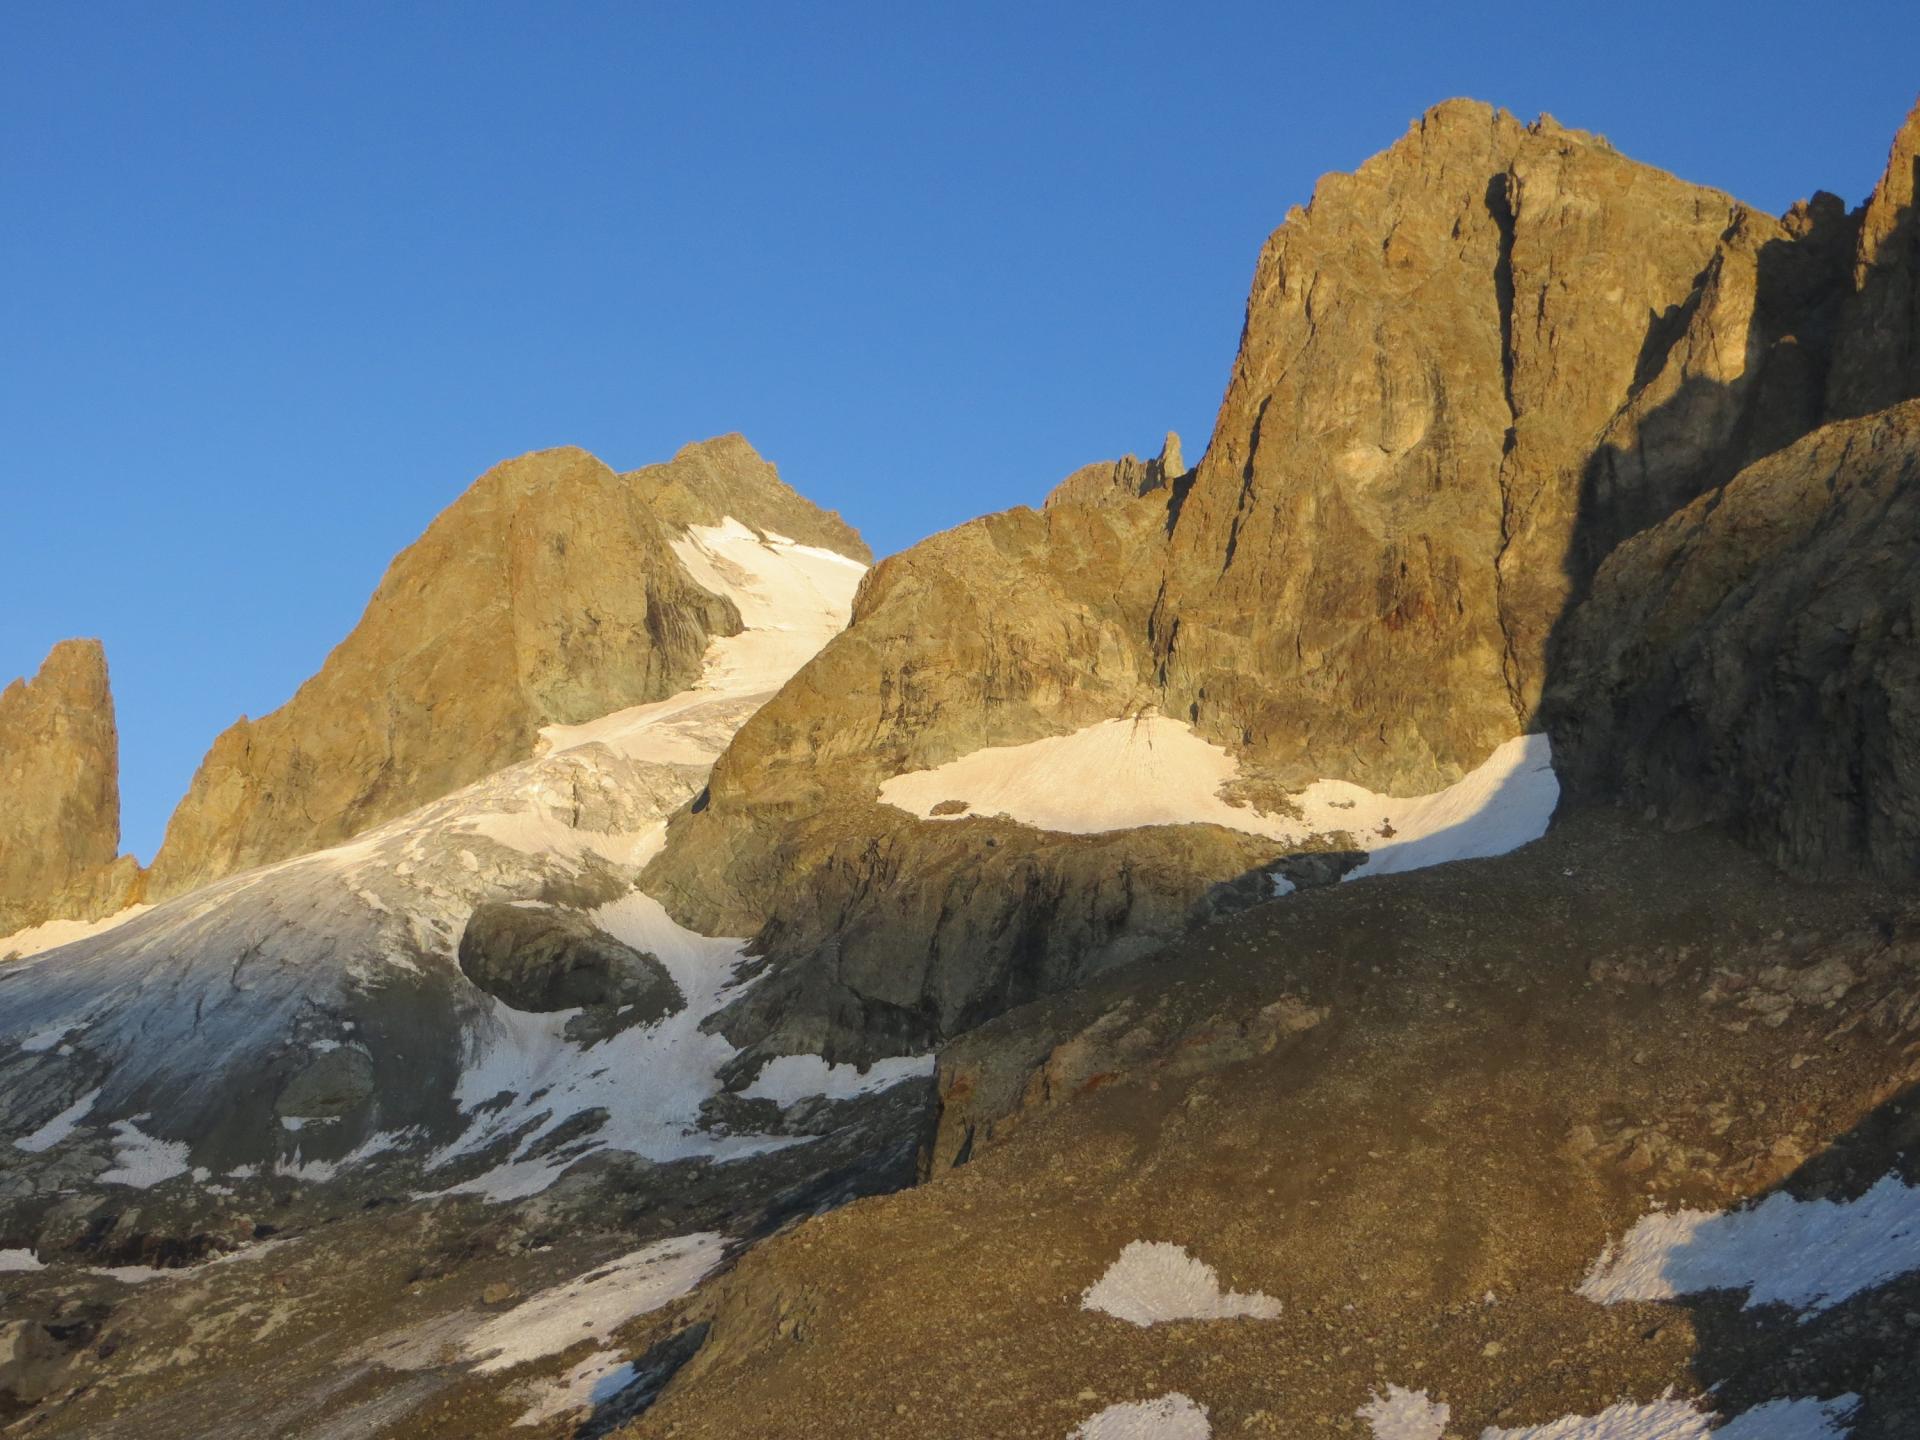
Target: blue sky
279 281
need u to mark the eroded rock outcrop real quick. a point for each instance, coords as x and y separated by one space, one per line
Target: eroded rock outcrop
60 794
548 593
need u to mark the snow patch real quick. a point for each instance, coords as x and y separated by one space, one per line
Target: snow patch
1153 1282
60 1126
789 1079
1172 1417
1669 1419
594 1305
594 1381
1403 1414
1798 1419
49 1036
1152 770
1809 1254
38 939
14 1260
1503 804
142 1160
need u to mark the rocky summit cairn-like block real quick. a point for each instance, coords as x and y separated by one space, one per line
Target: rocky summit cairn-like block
60 793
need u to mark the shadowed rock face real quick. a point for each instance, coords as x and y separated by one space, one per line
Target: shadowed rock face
547 593
60 793
1752 659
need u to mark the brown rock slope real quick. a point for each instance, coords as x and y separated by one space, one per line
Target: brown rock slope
548 593
60 794
1468 372
1414 1111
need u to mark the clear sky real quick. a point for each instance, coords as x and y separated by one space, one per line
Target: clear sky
277 281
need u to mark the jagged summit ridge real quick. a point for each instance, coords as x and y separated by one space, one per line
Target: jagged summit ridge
710 480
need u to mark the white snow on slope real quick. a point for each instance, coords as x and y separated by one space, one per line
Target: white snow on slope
1409 1415
1809 1254
1503 804
1153 1282
48 1037
37 939
142 1160
593 1306
1669 1419
789 1079
1403 1414
14 1260
595 1380
60 1126
652 1080
1155 771
1172 1417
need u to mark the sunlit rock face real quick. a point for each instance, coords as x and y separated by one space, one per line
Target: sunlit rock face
60 794
1469 372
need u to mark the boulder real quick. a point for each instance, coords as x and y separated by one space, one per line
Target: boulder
539 958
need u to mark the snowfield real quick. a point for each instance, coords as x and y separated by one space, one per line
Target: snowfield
1409 1415
1806 1254
1171 1417
596 1304
1404 1415
1070 784
1670 1419
38 939
1153 1282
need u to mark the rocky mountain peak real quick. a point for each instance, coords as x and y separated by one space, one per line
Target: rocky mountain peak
711 480
548 593
60 774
